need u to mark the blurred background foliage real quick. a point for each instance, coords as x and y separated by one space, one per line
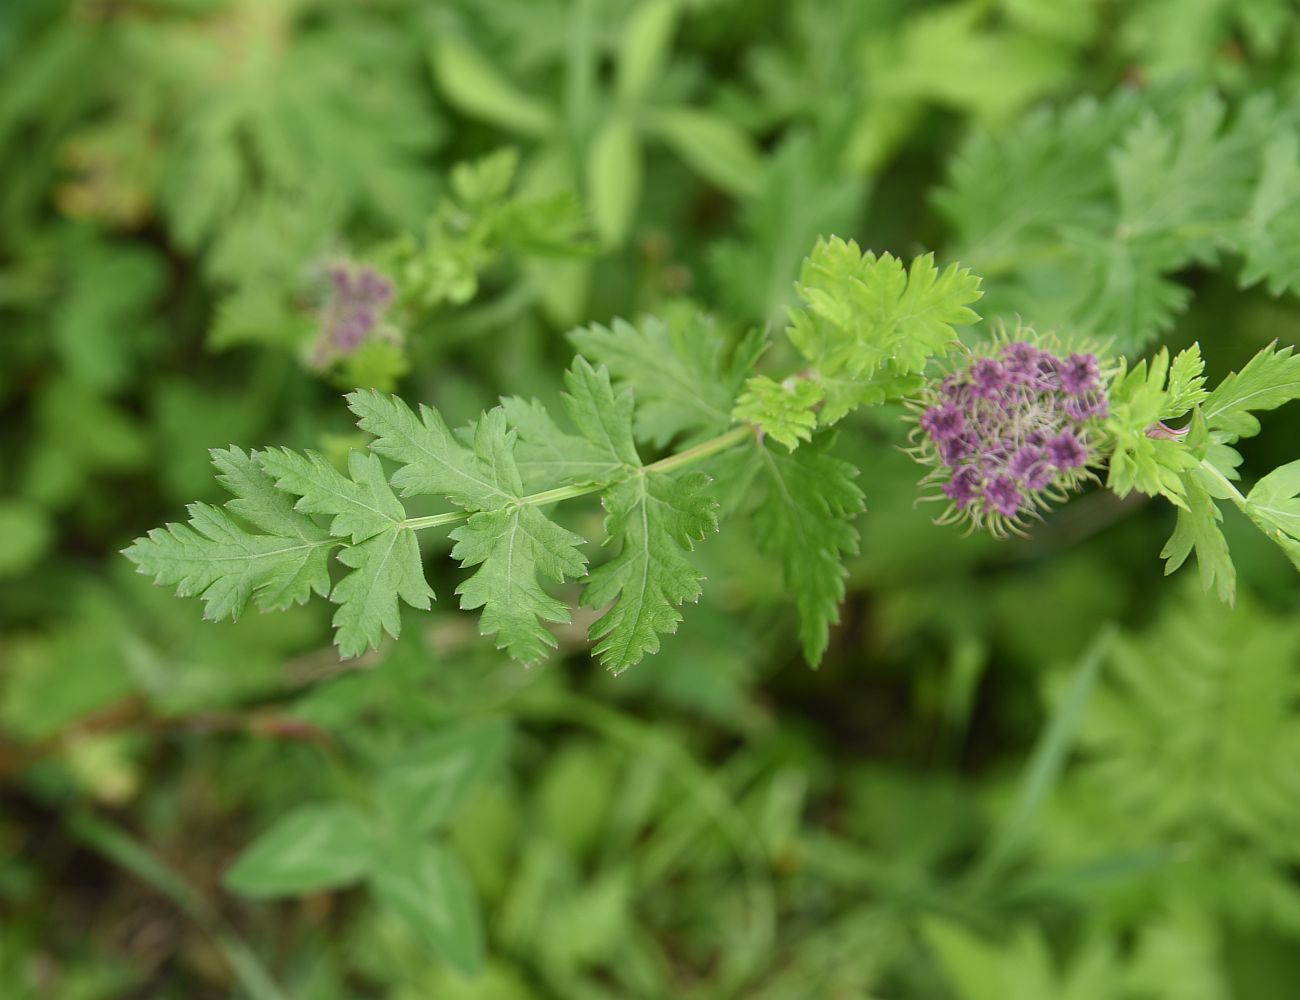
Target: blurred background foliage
1025 770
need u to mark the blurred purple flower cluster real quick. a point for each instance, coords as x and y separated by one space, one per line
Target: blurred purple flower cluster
1008 432
359 295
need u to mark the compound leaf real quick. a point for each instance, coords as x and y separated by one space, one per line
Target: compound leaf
361 506
1270 379
1270 235
684 372
433 461
1275 508
654 518
216 558
512 547
386 568
805 519
785 411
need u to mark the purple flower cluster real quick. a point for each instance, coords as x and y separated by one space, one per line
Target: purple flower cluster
1009 431
358 298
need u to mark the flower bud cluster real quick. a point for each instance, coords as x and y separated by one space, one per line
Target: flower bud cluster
359 296
1010 431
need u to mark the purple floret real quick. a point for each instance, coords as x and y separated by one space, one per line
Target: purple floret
1031 466
963 486
1049 372
360 295
1079 374
943 423
1020 352
373 287
341 279
1002 495
954 450
1021 360
1065 452
988 378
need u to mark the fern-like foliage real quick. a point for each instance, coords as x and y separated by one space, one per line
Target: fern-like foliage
1193 733
868 328
1080 218
215 556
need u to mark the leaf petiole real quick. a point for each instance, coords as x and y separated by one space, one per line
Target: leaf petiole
682 459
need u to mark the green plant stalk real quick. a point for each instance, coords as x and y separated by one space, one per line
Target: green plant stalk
682 459
1045 765
123 849
1231 492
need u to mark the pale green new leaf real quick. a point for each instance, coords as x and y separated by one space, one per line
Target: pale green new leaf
1197 530
386 568
785 411
361 506
216 558
1270 379
684 371
1186 387
805 520
483 183
1138 398
512 547
433 461
844 395
653 518
864 313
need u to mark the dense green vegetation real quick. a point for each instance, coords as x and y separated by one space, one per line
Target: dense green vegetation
554 374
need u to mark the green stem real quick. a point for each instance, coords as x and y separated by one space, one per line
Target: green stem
1233 493
123 849
701 451
688 457
433 520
